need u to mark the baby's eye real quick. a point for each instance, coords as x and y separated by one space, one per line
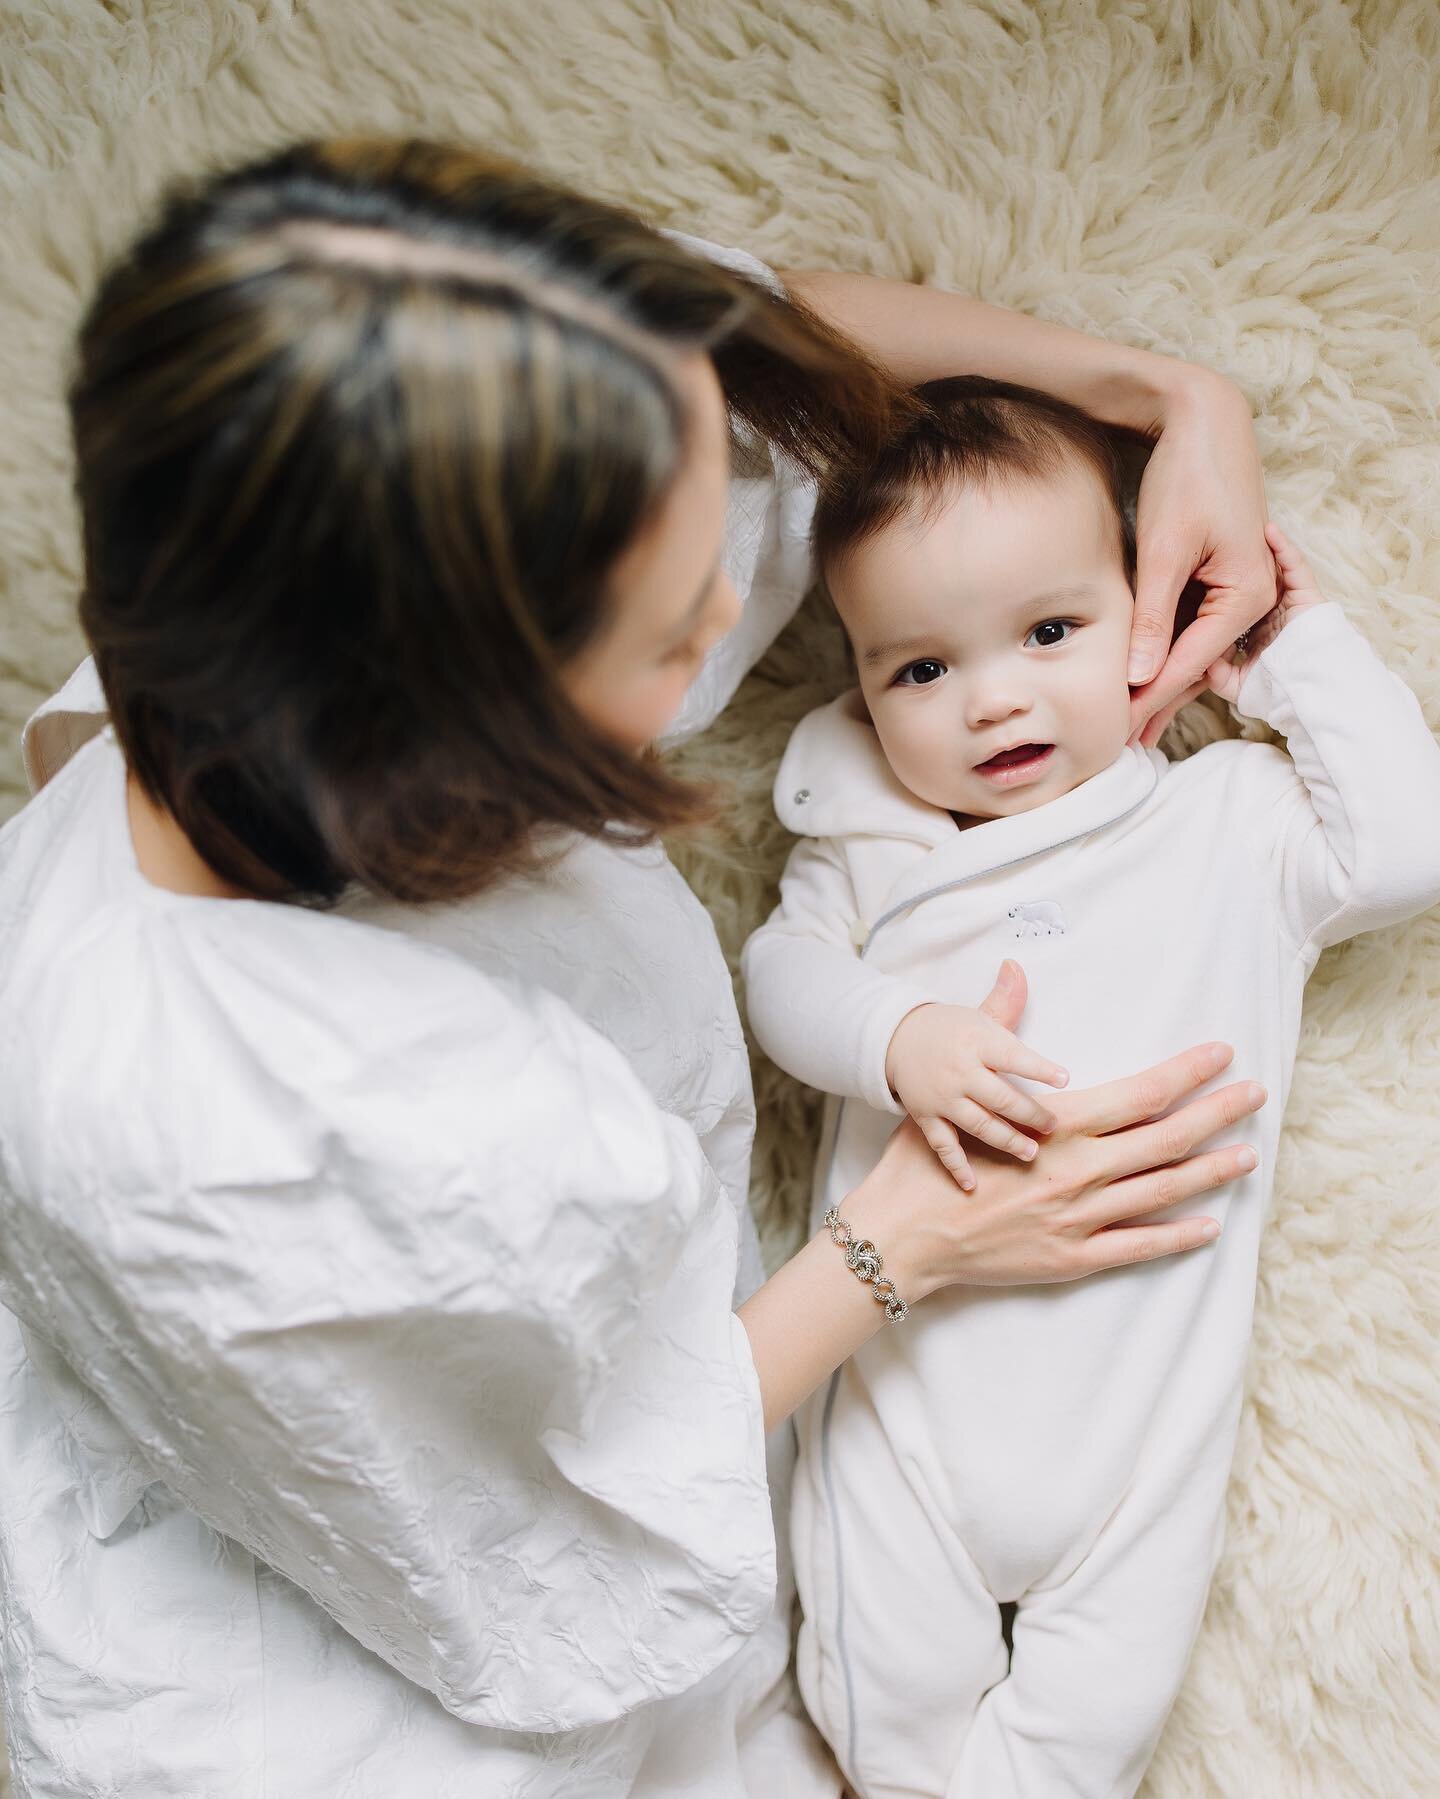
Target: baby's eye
920 674
1050 624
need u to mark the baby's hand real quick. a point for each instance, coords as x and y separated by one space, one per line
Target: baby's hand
946 1065
1295 590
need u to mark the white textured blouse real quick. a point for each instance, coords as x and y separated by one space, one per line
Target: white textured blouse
374 1418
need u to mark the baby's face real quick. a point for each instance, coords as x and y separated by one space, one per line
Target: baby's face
1004 621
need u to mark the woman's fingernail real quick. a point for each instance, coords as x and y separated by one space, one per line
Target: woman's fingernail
1256 1094
1028 1152
1207 1231
1247 1158
1139 669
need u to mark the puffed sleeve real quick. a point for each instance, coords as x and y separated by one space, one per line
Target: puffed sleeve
398 1277
767 540
69 718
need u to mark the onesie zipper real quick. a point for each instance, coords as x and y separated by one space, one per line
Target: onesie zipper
826 1470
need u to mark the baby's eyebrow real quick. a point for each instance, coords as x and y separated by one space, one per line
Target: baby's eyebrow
882 652
1057 596
904 646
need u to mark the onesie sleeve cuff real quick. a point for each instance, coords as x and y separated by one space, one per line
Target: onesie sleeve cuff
1321 631
896 1001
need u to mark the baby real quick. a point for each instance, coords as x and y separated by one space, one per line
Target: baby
1062 1447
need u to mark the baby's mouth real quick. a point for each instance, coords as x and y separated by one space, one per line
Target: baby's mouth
1018 757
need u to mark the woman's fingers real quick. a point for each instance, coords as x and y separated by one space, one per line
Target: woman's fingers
1200 514
1150 1146
1117 1244
1115 1104
1162 568
944 1139
1161 1187
1141 1243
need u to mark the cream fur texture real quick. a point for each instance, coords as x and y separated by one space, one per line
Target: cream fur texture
1248 183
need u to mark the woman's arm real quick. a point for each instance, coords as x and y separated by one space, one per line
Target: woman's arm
920 333
1202 498
434 1316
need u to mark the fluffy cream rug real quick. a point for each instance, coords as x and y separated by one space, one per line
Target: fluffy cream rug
1251 183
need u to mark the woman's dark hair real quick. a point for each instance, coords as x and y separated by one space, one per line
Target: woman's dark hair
970 432
360 430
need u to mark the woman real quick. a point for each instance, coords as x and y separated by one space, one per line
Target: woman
378 1419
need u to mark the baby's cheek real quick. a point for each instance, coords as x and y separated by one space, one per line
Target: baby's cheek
927 753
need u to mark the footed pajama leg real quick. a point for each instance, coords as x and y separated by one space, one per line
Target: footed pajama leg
901 1637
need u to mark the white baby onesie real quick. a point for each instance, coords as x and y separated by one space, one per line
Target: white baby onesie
1064 1446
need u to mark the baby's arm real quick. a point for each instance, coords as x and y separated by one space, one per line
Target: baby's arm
824 1016
815 1008
1354 841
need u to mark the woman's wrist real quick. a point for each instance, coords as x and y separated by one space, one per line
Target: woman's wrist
809 1317
1193 391
1148 391
872 1218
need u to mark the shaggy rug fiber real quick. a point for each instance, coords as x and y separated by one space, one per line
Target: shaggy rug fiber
1250 183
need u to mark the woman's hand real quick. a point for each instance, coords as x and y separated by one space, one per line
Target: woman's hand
1202 498
1065 1214
1069 1212
1201 513
947 1066
1295 591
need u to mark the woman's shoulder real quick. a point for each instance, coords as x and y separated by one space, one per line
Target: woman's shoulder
365 1022
81 918
230 1042
250 1101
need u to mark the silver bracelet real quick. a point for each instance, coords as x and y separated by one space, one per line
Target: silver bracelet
864 1258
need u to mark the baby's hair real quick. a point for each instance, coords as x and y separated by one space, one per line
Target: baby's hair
974 432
